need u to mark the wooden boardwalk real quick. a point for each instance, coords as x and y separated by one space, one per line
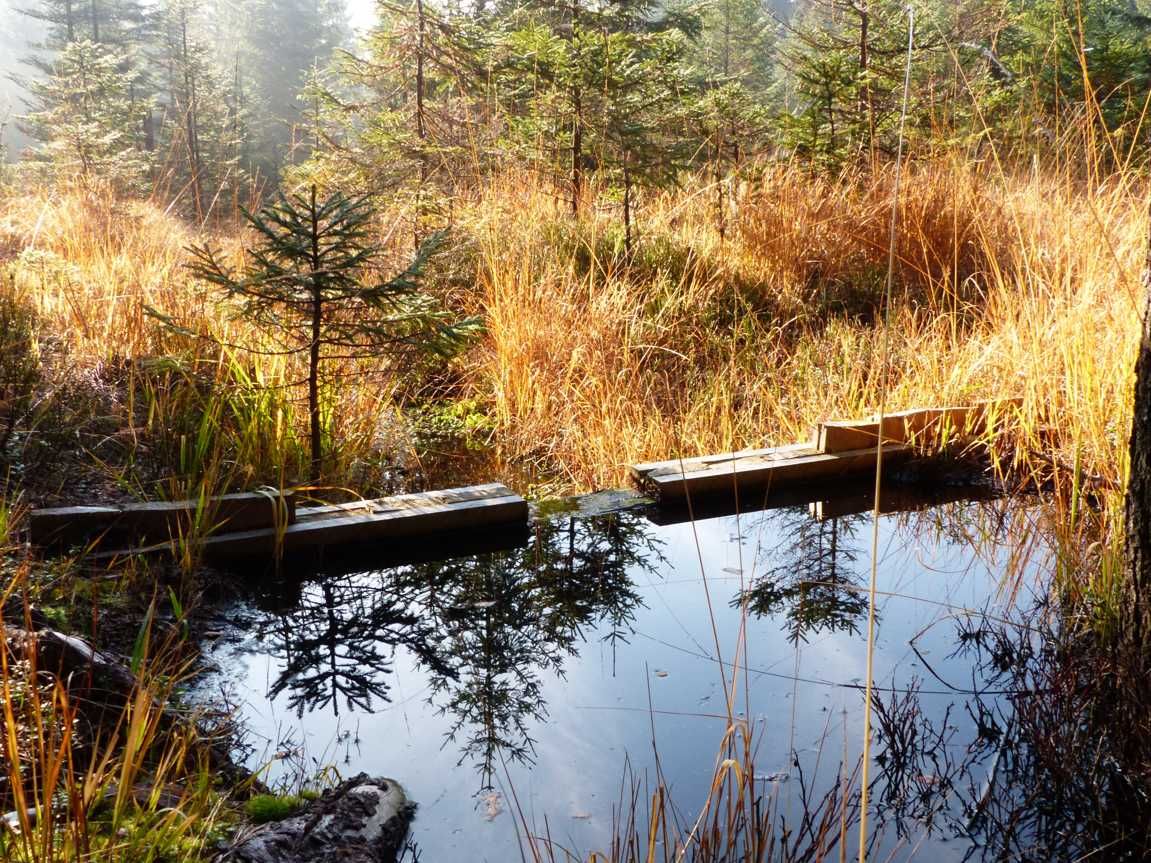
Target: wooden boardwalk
838 450
259 533
269 524
77 525
426 514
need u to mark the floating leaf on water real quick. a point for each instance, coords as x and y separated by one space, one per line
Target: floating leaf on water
493 805
778 776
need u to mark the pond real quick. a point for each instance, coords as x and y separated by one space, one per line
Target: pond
527 688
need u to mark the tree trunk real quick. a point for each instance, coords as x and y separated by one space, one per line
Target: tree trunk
421 122
627 205
577 151
191 121
866 106
314 352
1137 508
577 119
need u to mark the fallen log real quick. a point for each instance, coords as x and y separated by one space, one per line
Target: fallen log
362 820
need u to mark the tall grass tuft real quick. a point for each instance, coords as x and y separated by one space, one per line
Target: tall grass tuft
86 779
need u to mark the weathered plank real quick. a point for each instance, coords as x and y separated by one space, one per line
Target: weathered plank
642 473
390 518
702 461
72 525
922 427
745 474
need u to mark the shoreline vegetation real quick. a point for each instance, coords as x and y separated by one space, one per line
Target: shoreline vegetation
590 359
650 230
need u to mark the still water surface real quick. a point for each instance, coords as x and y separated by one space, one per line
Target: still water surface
519 685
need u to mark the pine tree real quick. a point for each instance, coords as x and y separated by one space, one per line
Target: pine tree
736 45
405 117
306 287
85 115
591 89
118 23
733 127
640 128
200 133
1087 59
284 40
842 70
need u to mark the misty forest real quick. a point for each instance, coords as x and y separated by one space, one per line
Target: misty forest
615 431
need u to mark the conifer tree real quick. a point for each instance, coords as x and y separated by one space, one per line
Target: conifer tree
283 41
842 70
596 89
405 117
199 133
308 286
85 115
118 23
736 44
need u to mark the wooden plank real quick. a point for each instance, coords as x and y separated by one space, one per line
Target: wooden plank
749 473
391 518
846 435
694 463
70 525
415 500
922 427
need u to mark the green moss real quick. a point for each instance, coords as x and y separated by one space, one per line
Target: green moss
465 420
273 807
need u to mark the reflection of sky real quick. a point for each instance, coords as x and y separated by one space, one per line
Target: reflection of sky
598 714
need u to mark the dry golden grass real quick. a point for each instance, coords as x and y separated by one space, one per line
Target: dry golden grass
1007 286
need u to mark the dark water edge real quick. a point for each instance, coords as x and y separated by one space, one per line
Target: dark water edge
522 678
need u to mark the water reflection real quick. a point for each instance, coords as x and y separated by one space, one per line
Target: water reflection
1046 772
814 584
487 630
991 729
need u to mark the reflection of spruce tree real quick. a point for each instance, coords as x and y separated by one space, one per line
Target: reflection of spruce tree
340 640
508 620
487 629
814 582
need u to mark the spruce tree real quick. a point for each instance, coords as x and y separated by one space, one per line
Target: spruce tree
199 134
308 286
85 115
841 67
283 41
405 117
736 45
118 23
590 89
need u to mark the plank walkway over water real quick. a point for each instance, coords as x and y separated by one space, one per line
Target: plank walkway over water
430 513
401 517
73 525
839 449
